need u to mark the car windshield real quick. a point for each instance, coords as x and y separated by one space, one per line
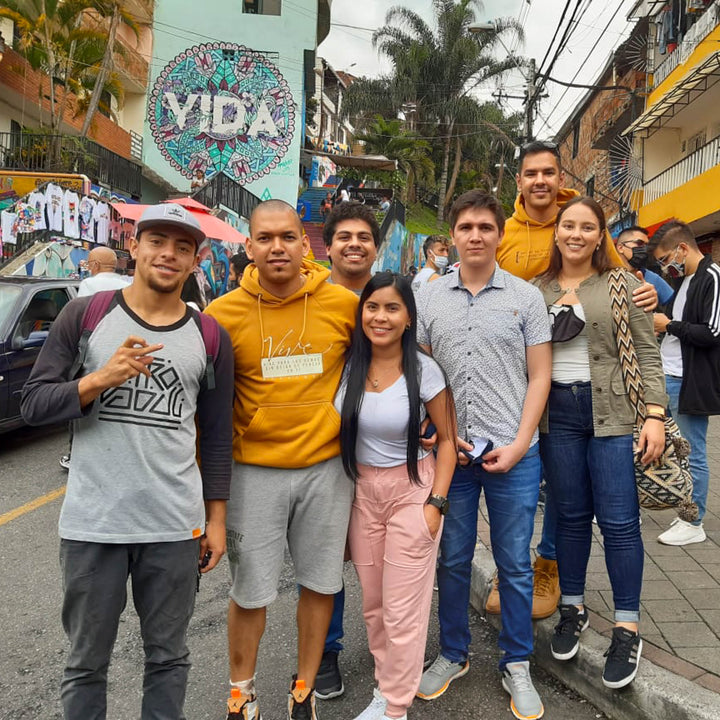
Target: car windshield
8 297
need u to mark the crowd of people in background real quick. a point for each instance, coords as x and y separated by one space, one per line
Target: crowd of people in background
334 404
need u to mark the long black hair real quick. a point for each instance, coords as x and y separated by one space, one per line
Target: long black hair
356 370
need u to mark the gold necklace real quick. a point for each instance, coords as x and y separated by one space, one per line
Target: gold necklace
376 382
568 290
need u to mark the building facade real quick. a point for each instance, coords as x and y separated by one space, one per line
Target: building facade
227 92
678 133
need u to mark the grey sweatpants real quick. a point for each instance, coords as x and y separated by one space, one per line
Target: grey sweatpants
164 577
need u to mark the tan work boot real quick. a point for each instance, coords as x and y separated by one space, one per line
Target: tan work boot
546 588
492 606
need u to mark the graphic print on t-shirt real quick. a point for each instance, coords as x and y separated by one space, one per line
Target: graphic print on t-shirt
152 402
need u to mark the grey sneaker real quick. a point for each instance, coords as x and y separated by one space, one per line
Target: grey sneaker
65 461
376 709
437 678
525 703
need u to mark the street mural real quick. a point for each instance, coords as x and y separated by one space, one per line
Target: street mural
220 107
214 266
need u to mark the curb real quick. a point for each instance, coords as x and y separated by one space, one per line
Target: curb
655 692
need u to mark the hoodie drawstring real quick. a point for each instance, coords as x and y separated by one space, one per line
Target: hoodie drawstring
262 328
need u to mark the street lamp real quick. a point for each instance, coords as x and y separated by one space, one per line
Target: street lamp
528 73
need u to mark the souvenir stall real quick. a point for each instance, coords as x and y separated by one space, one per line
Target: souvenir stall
63 216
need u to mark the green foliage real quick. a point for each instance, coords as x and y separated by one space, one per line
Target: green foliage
421 219
394 179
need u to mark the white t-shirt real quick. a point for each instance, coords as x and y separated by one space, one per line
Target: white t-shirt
103 281
87 222
102 215
37 200
421 277
8 226
54 206
670 348
570 359
383 420
71 218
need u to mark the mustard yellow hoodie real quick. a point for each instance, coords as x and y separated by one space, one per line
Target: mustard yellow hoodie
525 248
289 356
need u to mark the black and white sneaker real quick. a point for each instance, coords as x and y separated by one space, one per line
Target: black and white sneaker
566 639
623 658
329 682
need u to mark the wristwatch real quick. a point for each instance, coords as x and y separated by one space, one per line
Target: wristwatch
440 502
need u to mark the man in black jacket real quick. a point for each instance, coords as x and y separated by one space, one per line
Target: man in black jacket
691 357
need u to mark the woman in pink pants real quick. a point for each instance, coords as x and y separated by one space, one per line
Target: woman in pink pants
388 388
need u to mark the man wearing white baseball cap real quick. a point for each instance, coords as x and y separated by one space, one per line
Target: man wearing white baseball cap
137 503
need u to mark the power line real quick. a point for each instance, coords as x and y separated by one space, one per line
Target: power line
557 30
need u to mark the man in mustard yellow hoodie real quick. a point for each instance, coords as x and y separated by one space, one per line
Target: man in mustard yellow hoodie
290 329
525 252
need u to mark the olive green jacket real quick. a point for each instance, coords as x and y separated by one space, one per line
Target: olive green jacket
613 413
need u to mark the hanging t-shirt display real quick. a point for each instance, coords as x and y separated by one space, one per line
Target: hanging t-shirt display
87 221
102 217
25 217
54 203
37 200
8 225
71 224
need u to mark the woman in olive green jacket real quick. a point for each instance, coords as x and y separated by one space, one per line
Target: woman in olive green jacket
586 439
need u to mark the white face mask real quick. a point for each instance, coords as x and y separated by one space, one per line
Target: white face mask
440 262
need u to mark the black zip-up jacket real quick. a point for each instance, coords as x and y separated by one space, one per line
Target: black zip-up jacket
699 335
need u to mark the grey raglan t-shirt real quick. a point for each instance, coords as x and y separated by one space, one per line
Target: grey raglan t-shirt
134 476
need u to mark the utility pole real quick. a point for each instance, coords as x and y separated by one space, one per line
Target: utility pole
530 100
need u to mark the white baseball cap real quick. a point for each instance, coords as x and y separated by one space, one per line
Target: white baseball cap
171 214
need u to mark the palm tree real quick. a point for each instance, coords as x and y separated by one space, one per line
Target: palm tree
104 80
436 69
388 138
49 35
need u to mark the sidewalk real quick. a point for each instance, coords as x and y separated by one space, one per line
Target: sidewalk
679 674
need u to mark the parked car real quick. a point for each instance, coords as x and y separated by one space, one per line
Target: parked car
28 308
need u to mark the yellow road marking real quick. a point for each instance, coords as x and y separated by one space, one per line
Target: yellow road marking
32 505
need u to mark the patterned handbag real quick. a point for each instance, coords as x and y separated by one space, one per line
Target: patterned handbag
666 483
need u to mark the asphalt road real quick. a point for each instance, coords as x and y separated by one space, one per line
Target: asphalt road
33 645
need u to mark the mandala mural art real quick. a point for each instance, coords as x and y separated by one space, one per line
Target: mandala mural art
221 107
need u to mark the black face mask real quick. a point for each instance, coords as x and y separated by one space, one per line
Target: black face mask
566 325
639 259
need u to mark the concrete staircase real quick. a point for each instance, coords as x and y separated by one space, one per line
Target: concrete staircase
312 197
314 232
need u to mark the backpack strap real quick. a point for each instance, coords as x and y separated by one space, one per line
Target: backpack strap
99 306
210 331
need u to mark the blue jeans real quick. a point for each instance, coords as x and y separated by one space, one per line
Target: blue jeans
511 501
592 475
694 429
335 631
546 547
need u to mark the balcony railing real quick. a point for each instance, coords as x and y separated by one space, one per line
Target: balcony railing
695 35
222 190
70 154
700 161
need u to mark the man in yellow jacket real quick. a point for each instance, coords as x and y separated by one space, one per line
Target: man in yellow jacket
290 330
525 252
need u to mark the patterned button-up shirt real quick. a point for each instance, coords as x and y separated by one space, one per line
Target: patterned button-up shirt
481 342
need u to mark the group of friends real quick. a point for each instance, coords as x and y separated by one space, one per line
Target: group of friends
313 409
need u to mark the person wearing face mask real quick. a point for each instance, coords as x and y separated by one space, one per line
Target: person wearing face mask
691 357
435 249
632 246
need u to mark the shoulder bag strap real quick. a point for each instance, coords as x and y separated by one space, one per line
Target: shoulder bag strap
618 286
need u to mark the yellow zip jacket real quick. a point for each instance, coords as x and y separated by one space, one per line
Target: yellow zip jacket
526 245
289 356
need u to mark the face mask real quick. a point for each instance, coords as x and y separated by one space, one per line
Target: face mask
566 325
639 259
675 269
441 263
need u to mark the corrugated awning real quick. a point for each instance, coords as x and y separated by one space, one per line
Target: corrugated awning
696 82
367 162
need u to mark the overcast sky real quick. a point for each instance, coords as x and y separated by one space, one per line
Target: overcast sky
350 48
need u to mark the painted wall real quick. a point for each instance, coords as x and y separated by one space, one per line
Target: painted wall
227 94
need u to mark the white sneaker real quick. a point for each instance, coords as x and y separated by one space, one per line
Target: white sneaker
682 532
376 709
